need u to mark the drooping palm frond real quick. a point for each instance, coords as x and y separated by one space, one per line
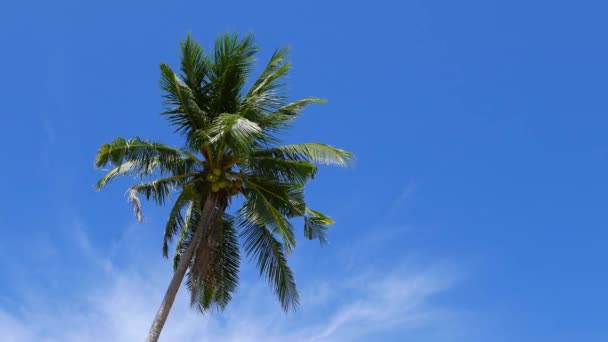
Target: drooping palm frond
145 153
316 225
120 170
136 203
216 289
267 251
160 189
143 168
183 203
287 198
191 220
272 203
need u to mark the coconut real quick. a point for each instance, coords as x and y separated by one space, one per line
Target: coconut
223 183
211 177
215 187
217 171
234 191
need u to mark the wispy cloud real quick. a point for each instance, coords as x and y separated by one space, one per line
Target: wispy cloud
350 304
121 309
82 241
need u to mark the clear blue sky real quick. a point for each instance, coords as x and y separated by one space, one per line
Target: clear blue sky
476 210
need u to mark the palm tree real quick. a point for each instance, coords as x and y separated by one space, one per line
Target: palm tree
231 149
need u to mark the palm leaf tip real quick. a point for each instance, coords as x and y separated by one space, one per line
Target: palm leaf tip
136 203
317 153
316 225
102 157
176 221
260 244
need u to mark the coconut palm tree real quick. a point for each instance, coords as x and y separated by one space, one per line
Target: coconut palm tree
231 150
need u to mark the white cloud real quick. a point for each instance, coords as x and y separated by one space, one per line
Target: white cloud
352 304
121 309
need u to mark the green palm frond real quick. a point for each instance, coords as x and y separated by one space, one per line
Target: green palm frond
194 67
184 112
191 219
233 131
268 91
284 170
311 152
121 170
145 153
272 203
280 118
231 64
316 225
287 198
176 217
261 245
143 168
160 189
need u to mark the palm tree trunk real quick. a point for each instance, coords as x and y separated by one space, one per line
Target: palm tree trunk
180 271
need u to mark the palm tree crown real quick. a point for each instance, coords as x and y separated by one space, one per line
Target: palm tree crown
231 149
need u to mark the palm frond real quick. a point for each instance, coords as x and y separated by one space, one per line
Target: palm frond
261 245
183 111
176 217
233 131
311 152
136 203
231 65
191 219
271 204
142 168
316 225
121 170
286 197
145 153
194 66
268 92
160 189
280 118
284 170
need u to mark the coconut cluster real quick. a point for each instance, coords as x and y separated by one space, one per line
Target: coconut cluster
223 180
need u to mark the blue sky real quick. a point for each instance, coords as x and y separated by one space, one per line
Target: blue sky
475 210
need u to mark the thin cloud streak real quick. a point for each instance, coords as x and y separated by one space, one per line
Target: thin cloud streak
121 308
348 305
